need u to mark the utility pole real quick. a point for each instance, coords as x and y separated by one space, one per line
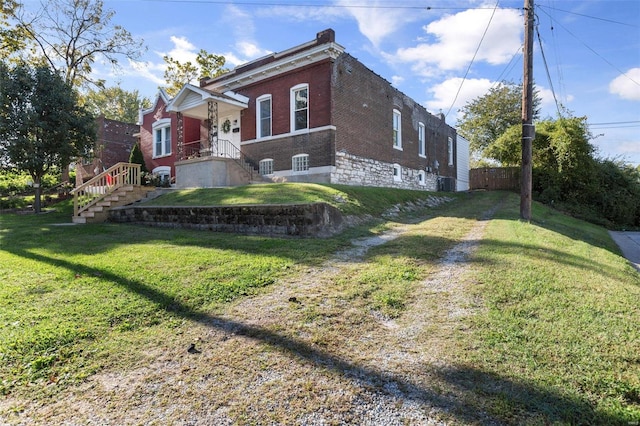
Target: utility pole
528 131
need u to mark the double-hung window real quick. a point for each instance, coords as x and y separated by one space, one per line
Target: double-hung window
263 119
300 162
450 150
397 129
300 107
421 142
162 137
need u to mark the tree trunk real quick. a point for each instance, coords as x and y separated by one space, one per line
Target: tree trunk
38 188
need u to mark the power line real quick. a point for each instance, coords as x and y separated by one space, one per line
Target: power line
615 122
473 59
546 67
592 50
324 5
588 16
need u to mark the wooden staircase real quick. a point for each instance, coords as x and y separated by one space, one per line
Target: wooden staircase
117 186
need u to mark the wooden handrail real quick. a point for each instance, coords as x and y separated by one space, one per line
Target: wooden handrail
97 188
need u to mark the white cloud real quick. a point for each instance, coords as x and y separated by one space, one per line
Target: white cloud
147 70
378 23
627 85
326 15
397 80
183 50
455 38
445 93
241 24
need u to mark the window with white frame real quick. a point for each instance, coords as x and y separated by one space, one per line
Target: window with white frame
422 178
397 173
421 141
397 129
162 137
163 173
266 166
450 150
299 107
263 116
300 162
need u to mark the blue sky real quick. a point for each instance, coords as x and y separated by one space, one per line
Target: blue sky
442 53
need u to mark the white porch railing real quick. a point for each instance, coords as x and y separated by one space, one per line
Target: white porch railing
96 189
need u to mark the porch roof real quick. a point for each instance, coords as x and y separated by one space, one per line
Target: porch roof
192 101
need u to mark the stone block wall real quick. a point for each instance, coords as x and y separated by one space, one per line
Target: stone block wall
354 170
304 220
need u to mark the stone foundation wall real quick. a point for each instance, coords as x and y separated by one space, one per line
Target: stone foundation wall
354 170
305 220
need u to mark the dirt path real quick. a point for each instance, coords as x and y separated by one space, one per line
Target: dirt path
300 354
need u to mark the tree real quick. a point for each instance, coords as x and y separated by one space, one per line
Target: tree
178 74
12 39
71 35
115 103
41 123
487 117
136 157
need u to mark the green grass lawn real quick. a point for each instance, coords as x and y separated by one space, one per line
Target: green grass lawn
556 338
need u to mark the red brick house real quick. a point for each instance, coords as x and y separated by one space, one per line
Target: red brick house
114 142
312 113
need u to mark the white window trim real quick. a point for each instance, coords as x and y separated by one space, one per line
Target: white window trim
450 150
284 135
266 160
422 143
163 123
422 178
292 108
162 171
258 118
293 161
397 177
397 113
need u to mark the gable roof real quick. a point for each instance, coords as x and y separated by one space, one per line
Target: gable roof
191 96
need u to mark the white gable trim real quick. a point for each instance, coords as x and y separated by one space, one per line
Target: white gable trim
280 65
191 96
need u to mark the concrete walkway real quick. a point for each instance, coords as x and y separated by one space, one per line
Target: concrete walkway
629 243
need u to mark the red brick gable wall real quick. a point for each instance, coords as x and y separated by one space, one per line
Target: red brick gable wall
191 129
317 76
115 141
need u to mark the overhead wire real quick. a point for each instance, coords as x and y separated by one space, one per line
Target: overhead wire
472 59
546 67
591 49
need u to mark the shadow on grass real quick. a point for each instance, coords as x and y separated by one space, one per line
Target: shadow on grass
480 397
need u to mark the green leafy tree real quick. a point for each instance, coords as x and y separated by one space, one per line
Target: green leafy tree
487 117
41 124
178 74
12 38
71 35
115 103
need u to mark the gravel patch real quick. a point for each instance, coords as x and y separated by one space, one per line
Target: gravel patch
260 357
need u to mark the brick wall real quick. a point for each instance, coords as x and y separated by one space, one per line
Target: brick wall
363 114
317 144
192 131
317 76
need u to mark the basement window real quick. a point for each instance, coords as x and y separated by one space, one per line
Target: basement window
397 173
300 162
266 166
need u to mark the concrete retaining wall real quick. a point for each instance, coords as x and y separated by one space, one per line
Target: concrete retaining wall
304 220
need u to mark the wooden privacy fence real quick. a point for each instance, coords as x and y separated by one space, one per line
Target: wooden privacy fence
494 178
